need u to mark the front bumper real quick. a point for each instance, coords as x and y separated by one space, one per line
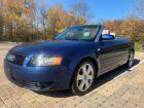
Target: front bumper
38 78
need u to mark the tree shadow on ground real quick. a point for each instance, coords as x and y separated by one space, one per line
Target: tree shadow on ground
98 82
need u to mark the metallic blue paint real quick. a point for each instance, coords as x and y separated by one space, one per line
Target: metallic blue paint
72 52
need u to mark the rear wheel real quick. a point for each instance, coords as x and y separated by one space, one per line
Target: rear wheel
130 59
83 78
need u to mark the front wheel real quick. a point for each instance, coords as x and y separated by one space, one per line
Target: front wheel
83 78
130 62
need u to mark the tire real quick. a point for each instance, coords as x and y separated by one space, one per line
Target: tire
130 61
83 78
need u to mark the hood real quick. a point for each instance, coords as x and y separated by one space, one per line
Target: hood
50 46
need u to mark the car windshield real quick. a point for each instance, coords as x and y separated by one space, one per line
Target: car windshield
78 33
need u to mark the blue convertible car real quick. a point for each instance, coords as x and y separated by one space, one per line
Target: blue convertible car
73 60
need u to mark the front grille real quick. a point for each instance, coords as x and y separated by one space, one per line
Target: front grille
18 58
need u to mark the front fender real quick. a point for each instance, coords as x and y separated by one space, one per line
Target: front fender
77 59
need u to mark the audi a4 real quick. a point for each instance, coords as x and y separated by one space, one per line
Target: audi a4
73 60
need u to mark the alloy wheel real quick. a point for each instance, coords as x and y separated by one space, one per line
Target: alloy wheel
85 77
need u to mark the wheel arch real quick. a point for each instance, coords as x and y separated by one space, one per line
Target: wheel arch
132 47
92 59
131 50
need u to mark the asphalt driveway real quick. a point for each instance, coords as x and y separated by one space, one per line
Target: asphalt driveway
121 88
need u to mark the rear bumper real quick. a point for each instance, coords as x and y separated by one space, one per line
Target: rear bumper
38 78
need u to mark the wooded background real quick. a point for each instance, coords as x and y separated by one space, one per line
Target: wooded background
23 20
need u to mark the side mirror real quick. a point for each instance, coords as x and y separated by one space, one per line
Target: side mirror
107 37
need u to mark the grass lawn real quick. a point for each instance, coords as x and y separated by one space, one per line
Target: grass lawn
138 47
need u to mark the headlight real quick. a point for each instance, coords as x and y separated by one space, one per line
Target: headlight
10 57
43 60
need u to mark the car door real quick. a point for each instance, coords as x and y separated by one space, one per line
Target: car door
107 52
121 50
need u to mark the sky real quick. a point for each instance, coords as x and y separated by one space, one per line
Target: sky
101 9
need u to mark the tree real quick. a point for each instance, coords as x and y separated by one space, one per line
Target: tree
1 20
26 21
17 17
43 18
131 26
81 11
114 26
59 19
